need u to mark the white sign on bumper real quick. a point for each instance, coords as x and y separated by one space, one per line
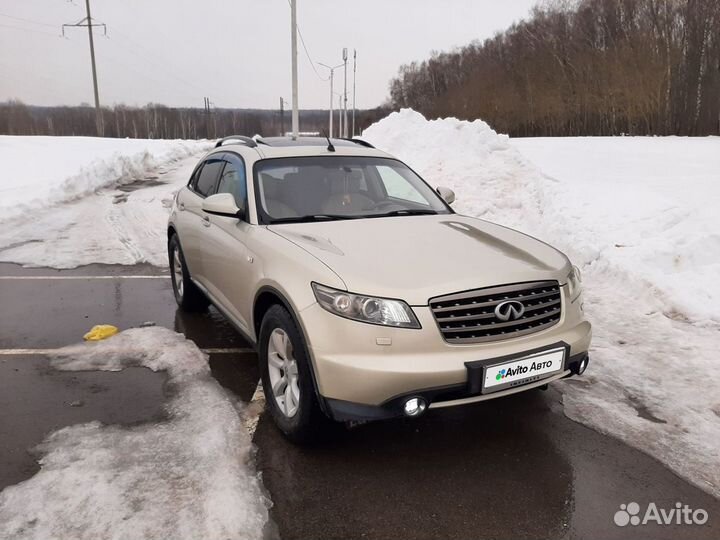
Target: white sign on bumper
524 370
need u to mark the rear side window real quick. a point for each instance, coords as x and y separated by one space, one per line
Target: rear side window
205 184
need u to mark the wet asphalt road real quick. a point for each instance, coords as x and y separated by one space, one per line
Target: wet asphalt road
509 468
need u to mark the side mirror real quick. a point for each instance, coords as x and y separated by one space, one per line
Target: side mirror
446 194
222 204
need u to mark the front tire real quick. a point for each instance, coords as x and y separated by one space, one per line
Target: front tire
287 379
187 294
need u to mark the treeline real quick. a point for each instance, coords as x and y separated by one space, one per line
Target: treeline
161 122
587 67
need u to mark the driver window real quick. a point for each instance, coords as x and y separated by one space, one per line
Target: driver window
232 181
397 187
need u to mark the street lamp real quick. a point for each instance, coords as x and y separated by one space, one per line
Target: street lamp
354 70
332 73
345 126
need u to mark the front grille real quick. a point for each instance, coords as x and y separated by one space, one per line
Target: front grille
469 317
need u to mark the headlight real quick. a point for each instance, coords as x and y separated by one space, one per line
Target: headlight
367 309
574 280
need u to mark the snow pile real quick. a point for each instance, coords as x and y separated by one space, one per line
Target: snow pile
639 217
43 171
468 157
648 204
123 222
190 476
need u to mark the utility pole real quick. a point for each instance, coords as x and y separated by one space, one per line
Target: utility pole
332 73
282 117
332 93
206 112
293 46
214 119
88 21
340 115
345 126
354 70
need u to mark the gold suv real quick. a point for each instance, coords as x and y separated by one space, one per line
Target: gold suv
364 294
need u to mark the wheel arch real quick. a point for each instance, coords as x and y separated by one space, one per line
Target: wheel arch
268 296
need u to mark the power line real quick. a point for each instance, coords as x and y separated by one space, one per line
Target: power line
145 72
312 64
161 63
89 23
307 53
27 20
28 30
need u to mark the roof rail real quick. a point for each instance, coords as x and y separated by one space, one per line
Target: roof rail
242 138
358 141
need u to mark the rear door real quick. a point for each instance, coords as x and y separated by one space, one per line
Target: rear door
193 232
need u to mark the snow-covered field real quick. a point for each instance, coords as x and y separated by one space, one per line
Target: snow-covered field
189 476
639 216
69 201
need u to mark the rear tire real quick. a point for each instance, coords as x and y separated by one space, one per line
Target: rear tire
187 295
287 379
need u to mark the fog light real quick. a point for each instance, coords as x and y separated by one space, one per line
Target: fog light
414 406
583 365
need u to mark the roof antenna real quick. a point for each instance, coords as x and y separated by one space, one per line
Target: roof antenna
330 147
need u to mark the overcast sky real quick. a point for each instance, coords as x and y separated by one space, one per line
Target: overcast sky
237 52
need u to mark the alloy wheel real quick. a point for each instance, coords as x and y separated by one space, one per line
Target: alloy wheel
283 373
177 271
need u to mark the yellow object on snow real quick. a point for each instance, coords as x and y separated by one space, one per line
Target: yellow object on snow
100 331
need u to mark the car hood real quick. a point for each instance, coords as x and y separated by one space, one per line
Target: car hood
415 258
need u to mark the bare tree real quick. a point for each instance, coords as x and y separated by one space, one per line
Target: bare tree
583 67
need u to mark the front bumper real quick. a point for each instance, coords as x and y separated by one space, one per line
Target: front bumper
365 371
450 396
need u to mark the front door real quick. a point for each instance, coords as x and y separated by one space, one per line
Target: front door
225 258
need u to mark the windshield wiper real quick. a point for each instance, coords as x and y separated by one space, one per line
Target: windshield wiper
314 217
405 212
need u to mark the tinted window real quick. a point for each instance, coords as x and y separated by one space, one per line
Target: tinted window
232 181
195 175
340 186
208 176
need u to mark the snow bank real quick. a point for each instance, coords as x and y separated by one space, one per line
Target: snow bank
650 205
490 178
42 171
190 476
639 216
121 223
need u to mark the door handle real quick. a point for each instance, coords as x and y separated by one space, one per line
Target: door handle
181 206
206 221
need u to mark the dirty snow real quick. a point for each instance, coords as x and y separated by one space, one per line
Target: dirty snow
42 171
89 200
189 476
639 216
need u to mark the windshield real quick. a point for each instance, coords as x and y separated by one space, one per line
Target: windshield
340 187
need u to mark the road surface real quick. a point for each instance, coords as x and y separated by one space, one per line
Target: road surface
509 468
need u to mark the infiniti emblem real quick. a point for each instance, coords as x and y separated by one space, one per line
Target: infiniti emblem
510 310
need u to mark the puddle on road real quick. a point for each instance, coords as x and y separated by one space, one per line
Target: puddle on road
43 400
127 189
643 411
